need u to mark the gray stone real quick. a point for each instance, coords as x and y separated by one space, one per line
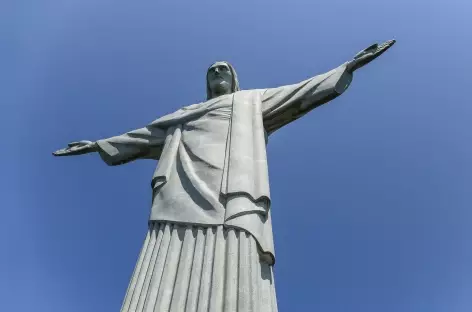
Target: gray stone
212 173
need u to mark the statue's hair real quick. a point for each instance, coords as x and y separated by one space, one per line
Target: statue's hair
234 84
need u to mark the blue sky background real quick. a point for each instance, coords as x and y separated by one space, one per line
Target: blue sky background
372 200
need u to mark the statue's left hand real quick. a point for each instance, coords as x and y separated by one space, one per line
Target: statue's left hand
368 55
77 148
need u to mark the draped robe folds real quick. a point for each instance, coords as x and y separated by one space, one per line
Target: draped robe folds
212 165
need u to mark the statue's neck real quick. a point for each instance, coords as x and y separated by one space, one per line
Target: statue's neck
216 94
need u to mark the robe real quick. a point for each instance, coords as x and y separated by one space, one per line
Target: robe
212 165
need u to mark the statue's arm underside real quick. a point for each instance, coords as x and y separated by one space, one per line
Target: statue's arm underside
288 103
144 143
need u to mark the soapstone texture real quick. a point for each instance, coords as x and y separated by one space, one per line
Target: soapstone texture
209 246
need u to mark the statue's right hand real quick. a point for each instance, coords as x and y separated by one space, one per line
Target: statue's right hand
77 148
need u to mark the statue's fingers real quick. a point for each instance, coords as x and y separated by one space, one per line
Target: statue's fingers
384 49
61 152
73 144
386 45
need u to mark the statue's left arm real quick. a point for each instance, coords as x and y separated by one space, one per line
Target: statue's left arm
288 103
285 104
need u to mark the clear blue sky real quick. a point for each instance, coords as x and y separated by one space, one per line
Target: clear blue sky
372 200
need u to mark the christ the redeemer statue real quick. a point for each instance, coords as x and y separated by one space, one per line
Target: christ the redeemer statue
209 246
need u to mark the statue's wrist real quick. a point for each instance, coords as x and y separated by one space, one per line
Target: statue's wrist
94 147
351 66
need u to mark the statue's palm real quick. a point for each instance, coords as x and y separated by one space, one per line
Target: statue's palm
369 54
76 148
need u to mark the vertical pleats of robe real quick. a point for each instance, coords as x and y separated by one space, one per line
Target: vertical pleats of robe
195 269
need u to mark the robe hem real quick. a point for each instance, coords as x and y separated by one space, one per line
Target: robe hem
266 256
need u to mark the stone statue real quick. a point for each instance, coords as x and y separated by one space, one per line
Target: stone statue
209 246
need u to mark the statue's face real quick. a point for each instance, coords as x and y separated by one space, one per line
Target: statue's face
220 78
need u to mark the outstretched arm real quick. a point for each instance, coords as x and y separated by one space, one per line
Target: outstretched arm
285 104
146 142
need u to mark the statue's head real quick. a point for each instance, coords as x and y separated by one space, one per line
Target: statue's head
221 79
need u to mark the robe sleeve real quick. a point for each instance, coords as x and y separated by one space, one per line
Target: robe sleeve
288 103
146 143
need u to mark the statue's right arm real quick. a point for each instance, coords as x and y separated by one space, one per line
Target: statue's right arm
146 142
